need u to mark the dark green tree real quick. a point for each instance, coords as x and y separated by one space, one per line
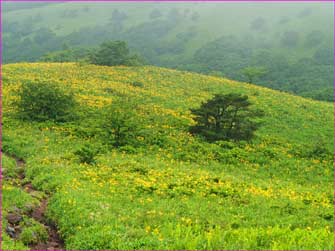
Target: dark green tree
251 73
225 117
41 101
114 53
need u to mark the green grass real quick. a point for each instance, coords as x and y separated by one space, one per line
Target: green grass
275 192
13 199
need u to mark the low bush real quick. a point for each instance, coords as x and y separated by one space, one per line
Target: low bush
87 154
121 125
42 101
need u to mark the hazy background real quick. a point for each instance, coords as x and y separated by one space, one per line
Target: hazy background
293 41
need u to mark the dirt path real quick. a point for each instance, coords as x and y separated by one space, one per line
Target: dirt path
54 241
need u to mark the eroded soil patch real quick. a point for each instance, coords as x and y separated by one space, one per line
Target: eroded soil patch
16 217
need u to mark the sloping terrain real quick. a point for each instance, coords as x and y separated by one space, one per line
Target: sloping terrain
209 21
293 41
180 192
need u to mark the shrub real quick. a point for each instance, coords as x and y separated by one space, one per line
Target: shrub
87 154
137 84
41 101
121 126
225 117
320 151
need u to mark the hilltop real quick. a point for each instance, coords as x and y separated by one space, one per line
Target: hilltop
293 41
275 192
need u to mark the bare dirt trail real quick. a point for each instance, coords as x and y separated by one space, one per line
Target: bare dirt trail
54 241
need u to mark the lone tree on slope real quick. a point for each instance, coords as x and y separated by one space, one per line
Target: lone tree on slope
226 117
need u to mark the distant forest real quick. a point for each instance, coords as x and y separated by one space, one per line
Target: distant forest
160 41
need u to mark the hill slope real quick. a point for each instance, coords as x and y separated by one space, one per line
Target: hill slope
180 192
294 41
209 21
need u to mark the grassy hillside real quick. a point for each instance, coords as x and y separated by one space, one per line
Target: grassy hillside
294 41
180 192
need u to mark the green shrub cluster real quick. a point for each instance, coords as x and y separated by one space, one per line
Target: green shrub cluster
114 53
43 101
87 154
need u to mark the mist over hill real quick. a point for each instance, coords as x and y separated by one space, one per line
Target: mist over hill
292 41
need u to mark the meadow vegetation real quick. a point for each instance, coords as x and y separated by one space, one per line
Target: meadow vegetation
125 172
